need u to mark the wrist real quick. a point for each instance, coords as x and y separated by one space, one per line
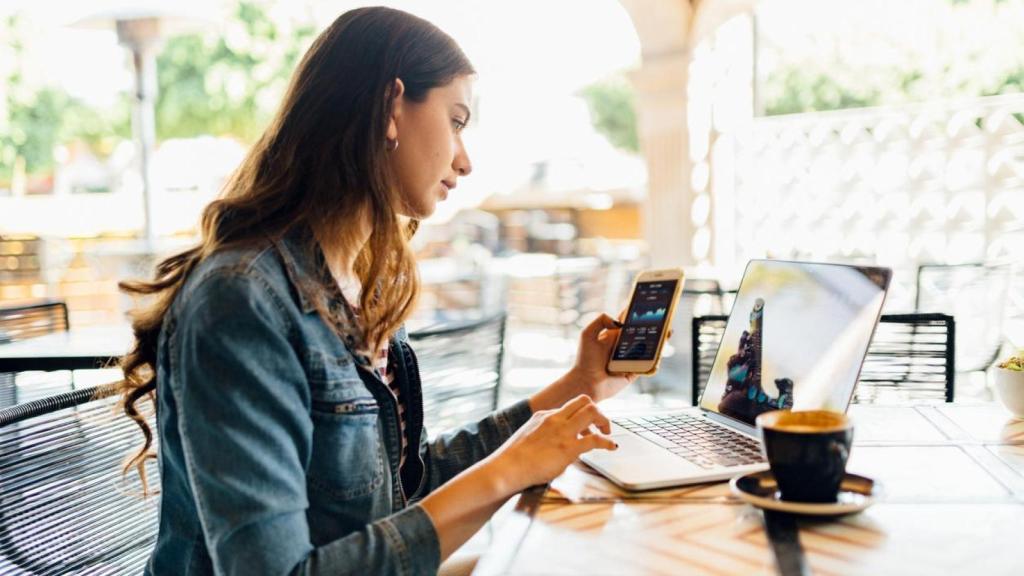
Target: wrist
577 382
499 476
554 395
573 383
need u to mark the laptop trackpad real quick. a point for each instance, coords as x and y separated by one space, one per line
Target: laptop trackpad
631 445
638 461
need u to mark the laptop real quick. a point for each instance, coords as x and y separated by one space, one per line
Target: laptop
796 339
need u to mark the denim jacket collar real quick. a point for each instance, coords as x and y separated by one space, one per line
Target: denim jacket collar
304 264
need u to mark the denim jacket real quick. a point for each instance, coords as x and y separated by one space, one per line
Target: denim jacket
277 455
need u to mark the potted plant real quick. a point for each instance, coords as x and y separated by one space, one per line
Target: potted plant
1010 384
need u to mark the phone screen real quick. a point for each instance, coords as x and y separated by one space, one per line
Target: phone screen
646 318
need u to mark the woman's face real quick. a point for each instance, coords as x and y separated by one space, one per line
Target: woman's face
430 156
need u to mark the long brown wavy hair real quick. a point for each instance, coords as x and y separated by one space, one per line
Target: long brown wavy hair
321 165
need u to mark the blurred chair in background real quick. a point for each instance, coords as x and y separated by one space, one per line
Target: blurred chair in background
461 369
700 297
27 321
545 291
911 358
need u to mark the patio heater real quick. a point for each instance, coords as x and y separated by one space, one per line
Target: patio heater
140 28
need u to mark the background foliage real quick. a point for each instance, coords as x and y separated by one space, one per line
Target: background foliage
971 48
226 82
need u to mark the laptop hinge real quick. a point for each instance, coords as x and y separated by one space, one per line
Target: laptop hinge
732 423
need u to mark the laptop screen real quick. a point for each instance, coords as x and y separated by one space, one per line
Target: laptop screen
796 338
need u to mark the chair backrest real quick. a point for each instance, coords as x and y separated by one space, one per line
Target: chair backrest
64 506
27 321
557 294
706 333
976 294
911 358
461 370
20 322
700 297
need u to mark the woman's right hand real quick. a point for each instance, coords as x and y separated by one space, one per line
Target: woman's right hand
538 452
549 441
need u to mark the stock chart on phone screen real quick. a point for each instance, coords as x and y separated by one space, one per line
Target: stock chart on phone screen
645 320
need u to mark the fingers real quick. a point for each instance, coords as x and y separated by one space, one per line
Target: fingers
588 415
572 406
588 443
602 322
581 412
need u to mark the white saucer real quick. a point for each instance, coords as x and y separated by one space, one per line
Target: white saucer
759 489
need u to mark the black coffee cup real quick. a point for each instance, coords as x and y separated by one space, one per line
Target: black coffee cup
807 452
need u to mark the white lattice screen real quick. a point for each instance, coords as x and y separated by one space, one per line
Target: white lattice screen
936 182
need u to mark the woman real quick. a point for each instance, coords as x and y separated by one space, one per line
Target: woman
289 409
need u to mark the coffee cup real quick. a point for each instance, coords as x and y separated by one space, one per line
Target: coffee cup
807 452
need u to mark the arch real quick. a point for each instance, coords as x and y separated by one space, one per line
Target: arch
662 27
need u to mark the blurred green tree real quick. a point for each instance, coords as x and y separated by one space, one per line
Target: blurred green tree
796 90
811 82
35 120
31 126
228 82
613 112
825 80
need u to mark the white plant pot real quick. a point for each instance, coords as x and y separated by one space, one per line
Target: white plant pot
1010 386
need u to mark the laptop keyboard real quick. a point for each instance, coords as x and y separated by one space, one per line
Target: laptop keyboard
698 440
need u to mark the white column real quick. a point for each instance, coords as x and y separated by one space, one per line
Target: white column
661 104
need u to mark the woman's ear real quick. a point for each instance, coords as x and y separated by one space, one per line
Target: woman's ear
396 95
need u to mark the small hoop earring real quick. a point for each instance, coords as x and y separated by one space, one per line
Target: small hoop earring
391 145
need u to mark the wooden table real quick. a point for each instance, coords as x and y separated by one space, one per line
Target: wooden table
953 503
77 349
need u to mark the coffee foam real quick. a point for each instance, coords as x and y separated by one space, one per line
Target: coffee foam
805 428
805 422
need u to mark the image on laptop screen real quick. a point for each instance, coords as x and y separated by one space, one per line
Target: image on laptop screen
796 338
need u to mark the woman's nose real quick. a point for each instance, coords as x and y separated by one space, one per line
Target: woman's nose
462 164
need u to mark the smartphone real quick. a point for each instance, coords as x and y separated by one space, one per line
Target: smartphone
647 322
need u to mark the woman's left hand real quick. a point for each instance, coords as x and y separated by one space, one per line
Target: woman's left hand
590 371
589 375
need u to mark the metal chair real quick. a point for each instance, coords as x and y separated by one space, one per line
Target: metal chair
64 506
911 358
700 297
27 321
461 370
706 333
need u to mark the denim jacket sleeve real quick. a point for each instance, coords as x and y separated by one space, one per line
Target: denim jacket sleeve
246 432
452 452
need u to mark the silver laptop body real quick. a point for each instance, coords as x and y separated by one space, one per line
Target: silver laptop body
796 338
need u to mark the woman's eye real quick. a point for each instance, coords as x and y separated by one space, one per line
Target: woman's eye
459 124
